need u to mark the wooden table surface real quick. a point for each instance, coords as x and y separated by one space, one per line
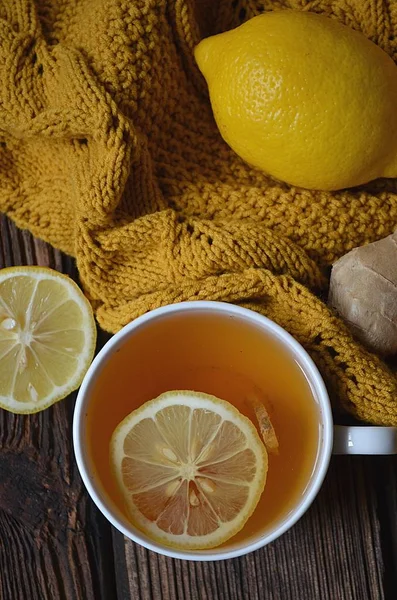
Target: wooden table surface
55 544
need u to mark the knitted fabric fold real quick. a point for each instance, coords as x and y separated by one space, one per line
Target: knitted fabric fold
109 151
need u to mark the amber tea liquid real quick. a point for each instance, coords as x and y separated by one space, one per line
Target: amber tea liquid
218 354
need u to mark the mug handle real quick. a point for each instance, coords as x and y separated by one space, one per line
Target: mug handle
364 440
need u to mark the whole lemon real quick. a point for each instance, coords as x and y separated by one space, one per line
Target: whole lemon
304 98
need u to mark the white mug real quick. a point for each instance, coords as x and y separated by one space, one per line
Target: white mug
332 439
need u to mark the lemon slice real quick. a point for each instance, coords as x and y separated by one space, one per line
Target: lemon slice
47 337
191 469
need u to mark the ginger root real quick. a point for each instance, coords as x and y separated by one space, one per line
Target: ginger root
265 425
363 290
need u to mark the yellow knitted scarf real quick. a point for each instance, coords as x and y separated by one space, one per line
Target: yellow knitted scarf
109 151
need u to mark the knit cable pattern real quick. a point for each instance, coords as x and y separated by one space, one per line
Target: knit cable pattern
109 151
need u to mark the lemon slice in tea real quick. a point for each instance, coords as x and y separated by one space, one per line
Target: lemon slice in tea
47 337
191 468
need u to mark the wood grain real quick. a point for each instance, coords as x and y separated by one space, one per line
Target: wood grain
54 544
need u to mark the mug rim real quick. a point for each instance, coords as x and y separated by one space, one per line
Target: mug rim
315 381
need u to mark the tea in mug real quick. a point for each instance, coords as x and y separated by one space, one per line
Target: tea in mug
227 357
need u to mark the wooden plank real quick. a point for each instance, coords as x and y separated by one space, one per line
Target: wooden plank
333 552
384 475
54 544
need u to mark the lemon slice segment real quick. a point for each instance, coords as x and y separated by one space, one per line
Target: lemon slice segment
191 469
47 337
